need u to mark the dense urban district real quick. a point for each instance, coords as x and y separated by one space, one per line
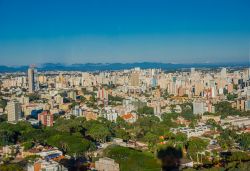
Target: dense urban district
127 120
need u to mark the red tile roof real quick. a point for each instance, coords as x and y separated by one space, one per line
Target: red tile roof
127 116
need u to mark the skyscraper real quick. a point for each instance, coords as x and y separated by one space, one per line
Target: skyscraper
14 111
31 79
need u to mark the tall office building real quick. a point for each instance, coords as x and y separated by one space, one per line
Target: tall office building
31 79
14 111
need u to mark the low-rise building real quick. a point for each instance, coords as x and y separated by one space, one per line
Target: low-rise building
192 132
46 165
205 118
236 121
129 117
106 164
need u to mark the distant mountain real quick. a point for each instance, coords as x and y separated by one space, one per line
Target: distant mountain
13 69
119 66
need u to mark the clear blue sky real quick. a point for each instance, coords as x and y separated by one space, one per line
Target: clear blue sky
180 31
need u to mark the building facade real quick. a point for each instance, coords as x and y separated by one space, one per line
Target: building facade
14 111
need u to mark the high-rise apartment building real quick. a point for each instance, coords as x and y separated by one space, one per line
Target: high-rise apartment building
46 118
223 72
134 80
192 71
102 94
198 107
14 111
31 79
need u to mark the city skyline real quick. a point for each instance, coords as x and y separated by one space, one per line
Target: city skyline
57 117
124 85
115 31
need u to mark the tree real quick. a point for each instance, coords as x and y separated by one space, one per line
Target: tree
146 110
98 132
147 122
166 94
121 133
213 124
231 97
131 159
225 109
28 145
244 140
225 140
70 144
11 167
115 98
71 126
3 103
181 137
152 139
239 156
167 119
73 104
3 118
82 99
121 123
196 145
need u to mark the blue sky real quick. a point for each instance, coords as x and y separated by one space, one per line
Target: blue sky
180 31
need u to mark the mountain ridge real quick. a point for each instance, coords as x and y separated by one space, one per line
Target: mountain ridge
118 66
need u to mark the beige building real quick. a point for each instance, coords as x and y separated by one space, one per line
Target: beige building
106 164
31 79
14 111
134 80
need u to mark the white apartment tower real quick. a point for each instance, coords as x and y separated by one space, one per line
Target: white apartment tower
223 72
192 71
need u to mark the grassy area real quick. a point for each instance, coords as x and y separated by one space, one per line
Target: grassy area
131 159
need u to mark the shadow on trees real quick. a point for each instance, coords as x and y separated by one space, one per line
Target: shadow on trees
75 164
170 158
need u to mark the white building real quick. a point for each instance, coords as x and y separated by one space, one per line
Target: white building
223 72
110 114
236 121
77 111
46 165
190 132
247 105
198 107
